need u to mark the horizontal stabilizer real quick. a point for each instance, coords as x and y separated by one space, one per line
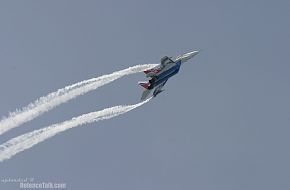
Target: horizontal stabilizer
157 91
145 94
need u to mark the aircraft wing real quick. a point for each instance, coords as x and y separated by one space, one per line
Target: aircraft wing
154 71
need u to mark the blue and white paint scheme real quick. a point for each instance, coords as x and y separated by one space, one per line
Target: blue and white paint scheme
159 75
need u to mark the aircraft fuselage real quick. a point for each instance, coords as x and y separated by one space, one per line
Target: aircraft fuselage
165 75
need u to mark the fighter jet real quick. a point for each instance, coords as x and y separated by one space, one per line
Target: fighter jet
159 75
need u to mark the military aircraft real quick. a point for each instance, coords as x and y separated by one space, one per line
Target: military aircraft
159 75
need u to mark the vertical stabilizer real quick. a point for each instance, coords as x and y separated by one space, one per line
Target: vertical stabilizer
144 84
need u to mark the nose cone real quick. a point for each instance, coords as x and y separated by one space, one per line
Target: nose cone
195 52
188 56
191 54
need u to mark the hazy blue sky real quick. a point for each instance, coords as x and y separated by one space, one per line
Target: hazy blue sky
223 123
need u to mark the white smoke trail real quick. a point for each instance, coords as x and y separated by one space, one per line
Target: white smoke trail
26 141
63 95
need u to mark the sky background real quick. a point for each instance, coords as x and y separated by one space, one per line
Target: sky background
223 123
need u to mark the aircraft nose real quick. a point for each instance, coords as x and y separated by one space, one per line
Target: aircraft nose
193 53
187 56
